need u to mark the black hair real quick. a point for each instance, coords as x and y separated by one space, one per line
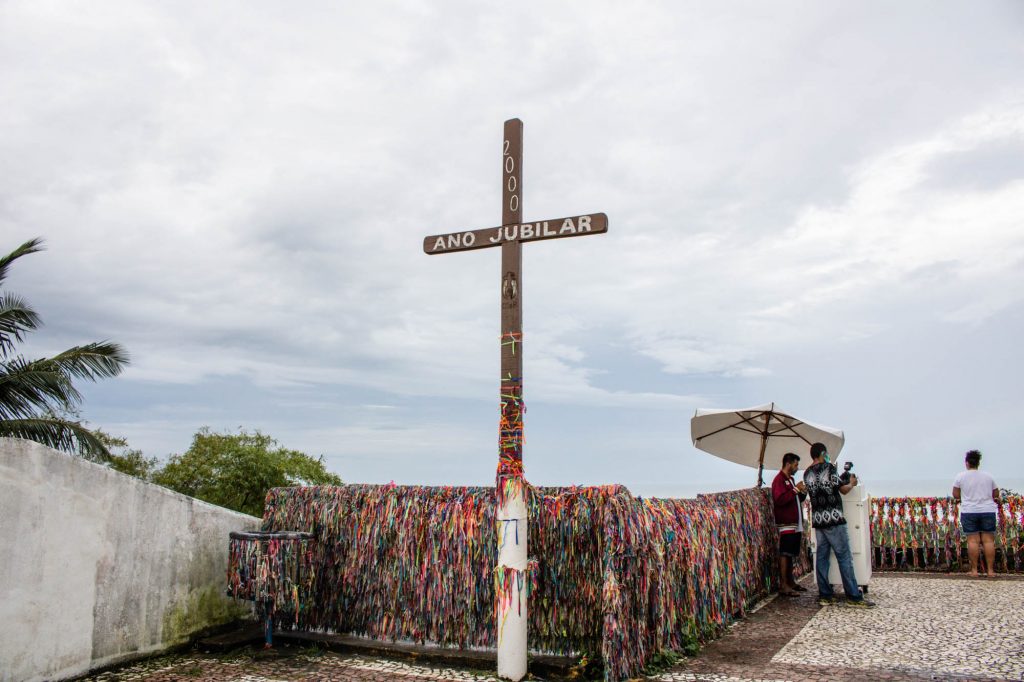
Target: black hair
973 458
817 450
790 457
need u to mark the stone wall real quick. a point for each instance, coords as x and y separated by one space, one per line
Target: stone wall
97 567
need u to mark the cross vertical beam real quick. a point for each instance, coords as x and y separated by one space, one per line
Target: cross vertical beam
511 612
510 450
512 575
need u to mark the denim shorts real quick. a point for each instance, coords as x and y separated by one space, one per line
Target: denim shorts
981 522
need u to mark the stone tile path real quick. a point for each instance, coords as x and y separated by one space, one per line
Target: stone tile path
918 632
289 666
915 633
965 627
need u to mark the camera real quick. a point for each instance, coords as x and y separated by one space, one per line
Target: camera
844 478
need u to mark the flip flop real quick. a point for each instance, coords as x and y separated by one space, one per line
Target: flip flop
788 594
799 588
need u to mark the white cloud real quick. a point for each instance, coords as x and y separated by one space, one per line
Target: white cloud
717 304
241 190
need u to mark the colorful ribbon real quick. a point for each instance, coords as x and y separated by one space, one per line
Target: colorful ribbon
610 573
923 533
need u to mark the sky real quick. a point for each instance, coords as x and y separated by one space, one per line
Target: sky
817 204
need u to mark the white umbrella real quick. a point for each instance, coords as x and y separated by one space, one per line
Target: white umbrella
759 436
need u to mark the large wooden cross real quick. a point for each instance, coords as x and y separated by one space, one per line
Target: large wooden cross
512 572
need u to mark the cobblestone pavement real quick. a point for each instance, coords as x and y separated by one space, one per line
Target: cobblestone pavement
284 667
919 631
927 626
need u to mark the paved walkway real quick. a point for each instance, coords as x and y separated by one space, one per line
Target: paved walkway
306 666
925 627
918 632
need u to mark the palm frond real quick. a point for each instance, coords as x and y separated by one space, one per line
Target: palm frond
28 388
31 246
58 434
92 361
16 318
32 391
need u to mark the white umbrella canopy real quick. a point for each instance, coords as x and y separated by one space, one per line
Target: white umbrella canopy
759 436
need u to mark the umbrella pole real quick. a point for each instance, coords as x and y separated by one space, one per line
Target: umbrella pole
760 460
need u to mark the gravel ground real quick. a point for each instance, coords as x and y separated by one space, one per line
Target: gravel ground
924 628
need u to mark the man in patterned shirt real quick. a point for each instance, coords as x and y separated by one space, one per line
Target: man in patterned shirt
825 491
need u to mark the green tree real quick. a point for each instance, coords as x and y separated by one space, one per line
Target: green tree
34 393
237 470
126 459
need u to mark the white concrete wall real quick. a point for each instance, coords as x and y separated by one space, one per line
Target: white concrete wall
97 567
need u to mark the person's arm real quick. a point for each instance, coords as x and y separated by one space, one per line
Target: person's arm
805 492
782 494
956 493
843 489
995 494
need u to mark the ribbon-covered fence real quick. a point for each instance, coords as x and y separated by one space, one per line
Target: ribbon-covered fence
923 533
274 571
610 573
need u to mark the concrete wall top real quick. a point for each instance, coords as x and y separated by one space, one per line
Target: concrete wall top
100 567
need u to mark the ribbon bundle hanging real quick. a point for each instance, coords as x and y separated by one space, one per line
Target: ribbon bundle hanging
274 571
610 573
923 533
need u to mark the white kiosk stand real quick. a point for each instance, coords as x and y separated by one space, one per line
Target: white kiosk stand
857 510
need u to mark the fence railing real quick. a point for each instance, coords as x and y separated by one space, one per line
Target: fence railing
612 575
923 533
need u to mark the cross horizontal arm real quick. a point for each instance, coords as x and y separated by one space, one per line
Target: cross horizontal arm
575 226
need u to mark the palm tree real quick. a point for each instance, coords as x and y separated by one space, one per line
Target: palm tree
35 393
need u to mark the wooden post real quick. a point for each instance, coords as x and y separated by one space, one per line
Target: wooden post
512 575
512 517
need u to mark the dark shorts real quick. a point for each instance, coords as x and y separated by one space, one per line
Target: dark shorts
789 544
983 522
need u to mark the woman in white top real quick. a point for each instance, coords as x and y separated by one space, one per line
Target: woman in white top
979 500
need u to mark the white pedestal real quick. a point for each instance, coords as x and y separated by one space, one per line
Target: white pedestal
857 510
511 615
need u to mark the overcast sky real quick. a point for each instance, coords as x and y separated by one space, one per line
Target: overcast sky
817 203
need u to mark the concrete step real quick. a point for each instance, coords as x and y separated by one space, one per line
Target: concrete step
231 639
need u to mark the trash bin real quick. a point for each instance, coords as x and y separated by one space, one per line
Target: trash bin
857 510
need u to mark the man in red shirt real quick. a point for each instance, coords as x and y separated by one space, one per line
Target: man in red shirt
787 495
